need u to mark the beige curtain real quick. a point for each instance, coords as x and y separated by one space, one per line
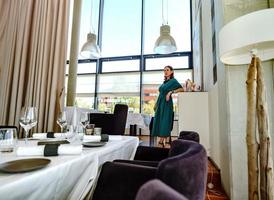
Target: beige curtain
33 38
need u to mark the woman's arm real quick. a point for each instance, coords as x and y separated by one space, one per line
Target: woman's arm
177 90
173 92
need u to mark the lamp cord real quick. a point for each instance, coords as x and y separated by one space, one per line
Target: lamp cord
166 11
164 22
162 12
91 5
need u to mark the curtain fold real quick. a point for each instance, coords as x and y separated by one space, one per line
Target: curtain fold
33 43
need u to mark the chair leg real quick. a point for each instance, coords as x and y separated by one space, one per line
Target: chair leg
133 130
152 140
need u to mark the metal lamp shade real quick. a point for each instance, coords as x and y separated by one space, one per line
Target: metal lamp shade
90 49
165 44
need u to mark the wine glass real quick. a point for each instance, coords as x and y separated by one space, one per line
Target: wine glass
84 119
28 119
62 120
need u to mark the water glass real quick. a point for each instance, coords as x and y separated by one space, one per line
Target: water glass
8 139
97 131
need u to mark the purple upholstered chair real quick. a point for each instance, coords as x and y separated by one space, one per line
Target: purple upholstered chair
185 170
157 190
191 167
156 154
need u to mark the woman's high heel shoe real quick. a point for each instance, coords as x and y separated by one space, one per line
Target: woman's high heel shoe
162 143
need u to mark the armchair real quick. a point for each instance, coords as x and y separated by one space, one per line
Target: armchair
185 170
157 190
149 156
112 124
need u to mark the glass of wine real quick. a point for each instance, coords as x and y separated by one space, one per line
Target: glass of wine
28 119
62 121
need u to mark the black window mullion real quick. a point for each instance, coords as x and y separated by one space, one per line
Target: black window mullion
99 42
142 60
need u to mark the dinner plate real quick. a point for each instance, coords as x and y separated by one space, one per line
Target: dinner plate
24 165
93 144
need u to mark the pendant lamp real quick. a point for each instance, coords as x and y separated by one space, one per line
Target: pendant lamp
165 44
90 49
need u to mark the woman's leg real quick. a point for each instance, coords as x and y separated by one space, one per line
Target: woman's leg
161 140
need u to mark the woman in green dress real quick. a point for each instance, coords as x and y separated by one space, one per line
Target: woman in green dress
162 124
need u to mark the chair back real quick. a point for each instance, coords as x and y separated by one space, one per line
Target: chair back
186 169
111 124
102 120
120 119
189 135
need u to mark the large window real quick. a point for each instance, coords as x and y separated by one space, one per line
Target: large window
177 14
121 65
180 62
129 72
119 88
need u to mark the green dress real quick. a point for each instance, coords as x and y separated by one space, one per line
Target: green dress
164 109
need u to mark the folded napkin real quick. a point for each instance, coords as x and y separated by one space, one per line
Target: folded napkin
51 135
49 150
115 137
91 138
96 138
101 138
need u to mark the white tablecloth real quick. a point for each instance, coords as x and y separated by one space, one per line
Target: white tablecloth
66 177
141 120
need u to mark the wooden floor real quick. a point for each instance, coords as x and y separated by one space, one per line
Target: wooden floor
214 190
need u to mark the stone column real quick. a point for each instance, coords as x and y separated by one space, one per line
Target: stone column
74 50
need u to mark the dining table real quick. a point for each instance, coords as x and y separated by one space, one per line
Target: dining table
65 176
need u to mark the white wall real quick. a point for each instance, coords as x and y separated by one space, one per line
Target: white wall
220 92
197 43
218 124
